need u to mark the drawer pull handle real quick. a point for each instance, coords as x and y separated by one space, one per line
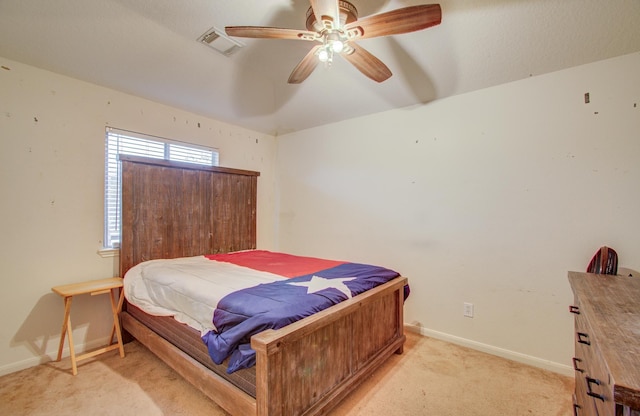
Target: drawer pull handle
583 338
575 364
574 309
590 392
576 406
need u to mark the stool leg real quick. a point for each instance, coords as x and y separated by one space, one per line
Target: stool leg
113 327
63 332
72 352
115 308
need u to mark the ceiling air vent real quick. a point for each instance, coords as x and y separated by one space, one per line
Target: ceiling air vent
219 41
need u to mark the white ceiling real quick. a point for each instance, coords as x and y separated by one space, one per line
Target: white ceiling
149 48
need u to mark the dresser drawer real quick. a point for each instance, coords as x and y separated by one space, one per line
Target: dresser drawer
583 405
594 393
597 385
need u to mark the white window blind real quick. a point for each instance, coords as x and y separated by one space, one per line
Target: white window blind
119 142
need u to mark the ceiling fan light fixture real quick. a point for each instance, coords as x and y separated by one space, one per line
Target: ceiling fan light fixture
334 41
324 55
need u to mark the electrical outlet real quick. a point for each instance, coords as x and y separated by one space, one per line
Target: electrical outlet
468 310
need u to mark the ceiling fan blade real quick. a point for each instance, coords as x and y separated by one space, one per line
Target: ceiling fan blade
395 22
269 32
305 67
327 8
368 64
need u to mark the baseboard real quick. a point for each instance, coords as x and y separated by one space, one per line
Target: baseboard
51 356
490 349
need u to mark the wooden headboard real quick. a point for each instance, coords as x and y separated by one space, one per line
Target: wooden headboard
172 209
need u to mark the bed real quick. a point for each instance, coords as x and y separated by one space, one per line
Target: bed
172 210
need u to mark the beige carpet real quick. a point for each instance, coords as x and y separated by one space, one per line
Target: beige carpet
431 378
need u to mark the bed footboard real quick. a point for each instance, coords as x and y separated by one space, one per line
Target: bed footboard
307 367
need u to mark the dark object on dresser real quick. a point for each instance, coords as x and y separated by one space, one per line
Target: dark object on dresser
605 261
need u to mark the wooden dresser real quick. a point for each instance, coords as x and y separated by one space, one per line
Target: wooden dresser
607 344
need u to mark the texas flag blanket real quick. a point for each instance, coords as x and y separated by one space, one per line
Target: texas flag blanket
313 285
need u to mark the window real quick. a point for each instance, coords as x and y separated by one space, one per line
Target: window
129 143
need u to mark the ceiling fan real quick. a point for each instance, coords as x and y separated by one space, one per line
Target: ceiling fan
334 26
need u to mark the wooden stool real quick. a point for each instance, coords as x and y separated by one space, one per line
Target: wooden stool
94 287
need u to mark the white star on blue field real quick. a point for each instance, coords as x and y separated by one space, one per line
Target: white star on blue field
317 283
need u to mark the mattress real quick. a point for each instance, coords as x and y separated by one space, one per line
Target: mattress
188 288
230 297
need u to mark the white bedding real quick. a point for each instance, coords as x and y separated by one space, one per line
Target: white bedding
188 288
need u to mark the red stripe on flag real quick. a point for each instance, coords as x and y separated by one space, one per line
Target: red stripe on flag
286 265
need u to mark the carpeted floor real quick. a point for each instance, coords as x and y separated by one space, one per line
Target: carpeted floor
432 377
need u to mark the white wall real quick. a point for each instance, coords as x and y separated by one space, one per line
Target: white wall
488 197
52 132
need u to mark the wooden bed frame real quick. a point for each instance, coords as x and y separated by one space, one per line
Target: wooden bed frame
176 210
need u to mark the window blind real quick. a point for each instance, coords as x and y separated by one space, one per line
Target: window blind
137 144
